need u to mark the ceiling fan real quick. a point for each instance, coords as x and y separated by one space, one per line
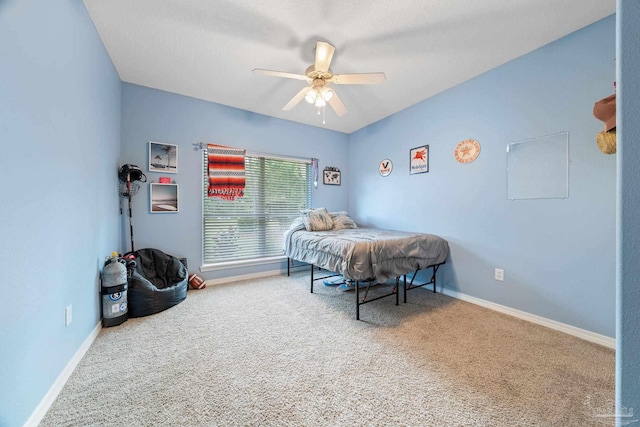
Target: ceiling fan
319 76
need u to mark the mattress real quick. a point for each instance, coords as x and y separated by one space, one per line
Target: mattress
366 253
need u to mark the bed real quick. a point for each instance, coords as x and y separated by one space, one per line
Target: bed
364 255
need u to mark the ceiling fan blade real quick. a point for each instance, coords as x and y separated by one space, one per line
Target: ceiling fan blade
358 79
324 54
280 74
296 99
337 105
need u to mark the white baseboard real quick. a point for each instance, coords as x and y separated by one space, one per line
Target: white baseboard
46 402
252 276
552 324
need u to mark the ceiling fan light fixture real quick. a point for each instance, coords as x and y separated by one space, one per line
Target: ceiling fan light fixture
311 96
319 75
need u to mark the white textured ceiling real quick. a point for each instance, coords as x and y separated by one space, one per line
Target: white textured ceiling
206 49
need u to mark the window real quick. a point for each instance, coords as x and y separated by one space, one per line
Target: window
251 227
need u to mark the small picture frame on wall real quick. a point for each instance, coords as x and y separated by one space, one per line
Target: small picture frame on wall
163 198
331 176
419 160
163 157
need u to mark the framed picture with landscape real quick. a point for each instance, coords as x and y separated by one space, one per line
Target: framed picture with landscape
163 197
163 157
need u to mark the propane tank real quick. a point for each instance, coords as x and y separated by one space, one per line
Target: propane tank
114 291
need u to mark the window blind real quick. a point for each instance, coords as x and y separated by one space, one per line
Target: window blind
251 227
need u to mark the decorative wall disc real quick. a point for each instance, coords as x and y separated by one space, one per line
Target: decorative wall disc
385 167
467 151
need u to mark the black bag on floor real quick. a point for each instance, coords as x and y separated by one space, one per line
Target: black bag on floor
157 281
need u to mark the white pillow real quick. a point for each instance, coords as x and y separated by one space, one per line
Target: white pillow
297 223
342 220
316 219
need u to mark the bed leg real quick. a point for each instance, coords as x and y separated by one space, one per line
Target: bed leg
397 289
288 268
435 269
404 287
311 278
357 300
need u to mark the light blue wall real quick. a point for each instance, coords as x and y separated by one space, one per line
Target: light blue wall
558 255
60 139
154 115
628 289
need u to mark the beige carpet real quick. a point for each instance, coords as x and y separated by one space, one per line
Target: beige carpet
269 353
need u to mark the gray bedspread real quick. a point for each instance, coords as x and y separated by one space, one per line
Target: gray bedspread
366 253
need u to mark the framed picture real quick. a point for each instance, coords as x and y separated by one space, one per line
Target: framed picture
331 176
419 159
163 197
163 157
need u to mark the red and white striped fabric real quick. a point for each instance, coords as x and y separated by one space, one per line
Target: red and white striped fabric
226 171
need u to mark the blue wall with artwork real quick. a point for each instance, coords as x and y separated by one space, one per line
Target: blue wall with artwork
154 115
60 138
558 255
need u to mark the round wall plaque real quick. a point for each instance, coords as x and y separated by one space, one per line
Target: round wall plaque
385 167
467 151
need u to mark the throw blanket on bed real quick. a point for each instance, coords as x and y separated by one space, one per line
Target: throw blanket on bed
226 171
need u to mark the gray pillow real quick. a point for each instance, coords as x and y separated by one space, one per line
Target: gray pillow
342 220
316 219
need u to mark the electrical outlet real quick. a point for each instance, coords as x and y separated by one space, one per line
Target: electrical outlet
68 315
499 274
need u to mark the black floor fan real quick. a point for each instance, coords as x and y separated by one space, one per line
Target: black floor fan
130 178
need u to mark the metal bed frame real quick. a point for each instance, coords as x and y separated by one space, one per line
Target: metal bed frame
394 291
